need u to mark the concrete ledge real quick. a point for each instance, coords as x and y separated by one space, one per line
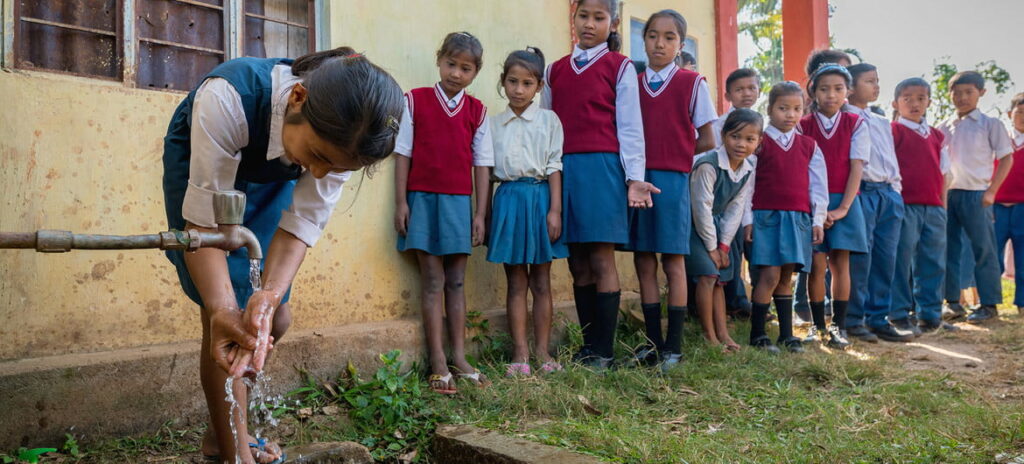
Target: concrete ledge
464 444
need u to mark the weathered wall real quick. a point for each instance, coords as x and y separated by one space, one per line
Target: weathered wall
84 155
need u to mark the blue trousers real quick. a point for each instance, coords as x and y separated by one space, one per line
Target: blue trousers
966 214
871 273
1010 227
920 264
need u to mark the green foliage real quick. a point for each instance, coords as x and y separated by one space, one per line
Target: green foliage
71 446
762 21
996 78
32 455
491 348
390 411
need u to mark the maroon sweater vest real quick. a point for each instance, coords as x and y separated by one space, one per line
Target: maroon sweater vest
669 135
442 143
1012 190
920 161
584 100
835 145
783 177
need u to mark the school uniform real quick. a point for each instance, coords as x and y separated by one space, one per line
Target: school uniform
445 138
841 138
882 205
783 213
226 135
674 102
1009 212
921 254
527 150
596 96
975 141
720 196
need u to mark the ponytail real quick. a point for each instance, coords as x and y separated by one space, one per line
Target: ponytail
614 41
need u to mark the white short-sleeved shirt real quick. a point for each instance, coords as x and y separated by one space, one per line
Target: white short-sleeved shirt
526 145
975 141
483 147
219 132
883 166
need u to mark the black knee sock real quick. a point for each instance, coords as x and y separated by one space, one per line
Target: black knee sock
758 319
586 297
839 316
818 314
652 323
784 308
674 340
606 321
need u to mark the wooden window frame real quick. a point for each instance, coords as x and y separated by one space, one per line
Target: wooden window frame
127 36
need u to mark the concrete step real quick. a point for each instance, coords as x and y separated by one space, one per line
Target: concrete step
465 444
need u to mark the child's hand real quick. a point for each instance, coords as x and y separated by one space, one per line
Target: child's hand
836 215
748 233
260 312
554 225
402 219
639 194
725 258
716 257
817 235
988 199
479 230
227 335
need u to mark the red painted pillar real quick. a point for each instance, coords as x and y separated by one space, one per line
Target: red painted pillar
804 29
725 38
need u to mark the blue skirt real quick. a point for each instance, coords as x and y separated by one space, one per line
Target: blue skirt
264 204
439 224
699 263
782 237
665 228
594 199
519 225
849 233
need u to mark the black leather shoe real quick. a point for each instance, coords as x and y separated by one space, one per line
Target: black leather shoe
765 343
861 333
836 339
939 326
983 314
792 344
953 311
892 334
647 355
598 364
582 356
907 326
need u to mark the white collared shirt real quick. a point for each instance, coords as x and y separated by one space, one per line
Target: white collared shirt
702 200
975 141
883 166
925 131
718 124
629 126
860 142
219 132
1018 140
483 149
527 145
818 189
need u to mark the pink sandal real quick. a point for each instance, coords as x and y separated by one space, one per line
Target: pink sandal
517 370
550 367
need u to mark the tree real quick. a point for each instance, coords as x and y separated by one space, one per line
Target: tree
943 70
763 22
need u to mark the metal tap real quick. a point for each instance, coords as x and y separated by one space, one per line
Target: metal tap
228 211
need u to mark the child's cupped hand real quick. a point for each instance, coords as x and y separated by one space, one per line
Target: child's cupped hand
228 335
639 194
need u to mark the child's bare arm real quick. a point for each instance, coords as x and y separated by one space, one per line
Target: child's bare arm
482 181
705 138
402 166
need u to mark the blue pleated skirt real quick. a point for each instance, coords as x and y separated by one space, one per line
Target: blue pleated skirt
665 228
519 225
264 204
439 224
849 233
782 237
594 199
699 263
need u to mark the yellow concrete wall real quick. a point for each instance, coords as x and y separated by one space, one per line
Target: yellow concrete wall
84 155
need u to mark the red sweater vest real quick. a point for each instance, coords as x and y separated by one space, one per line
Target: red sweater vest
834 145
1012 190
783 177
442 143
920 161
669 134
584 100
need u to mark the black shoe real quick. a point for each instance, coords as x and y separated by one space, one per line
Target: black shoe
647 355
812 336
907 326
765 343
598 364
939 326
862 333
953 311
836 339
792 344
670 361
983 314
891 334
582 356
